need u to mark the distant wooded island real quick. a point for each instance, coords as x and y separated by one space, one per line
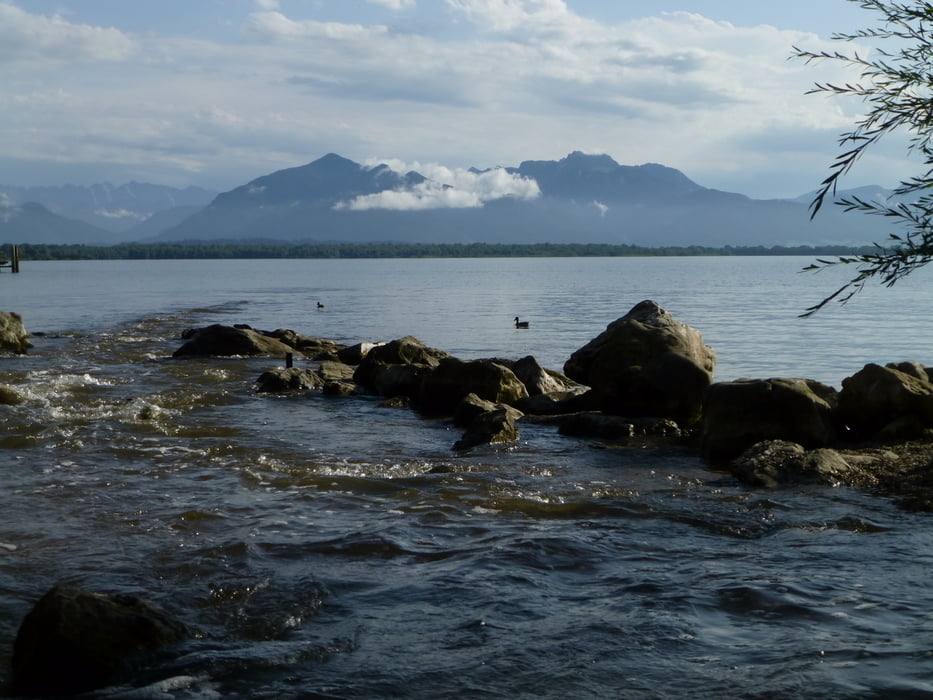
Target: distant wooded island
256 250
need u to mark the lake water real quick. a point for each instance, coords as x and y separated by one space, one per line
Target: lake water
331 548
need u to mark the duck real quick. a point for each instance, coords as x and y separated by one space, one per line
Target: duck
520 324
320 305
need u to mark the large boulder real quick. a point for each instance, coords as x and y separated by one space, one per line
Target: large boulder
403 351
220 340
453 379
894 400
74 640
646 364
13 335
738 414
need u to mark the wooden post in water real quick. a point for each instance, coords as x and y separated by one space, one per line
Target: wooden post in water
14 259
288 360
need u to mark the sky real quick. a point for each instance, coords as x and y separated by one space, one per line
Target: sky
215 93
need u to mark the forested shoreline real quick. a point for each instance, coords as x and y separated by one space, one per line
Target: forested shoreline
261 249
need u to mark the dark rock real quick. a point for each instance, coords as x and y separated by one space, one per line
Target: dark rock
555 403
608 427
404 351
738 414
74 641
13 335
453 379
10 396
538 380
646 364
407 350
339 388
489 427
282 379
472 406
335 371
354 354
896 399
220 340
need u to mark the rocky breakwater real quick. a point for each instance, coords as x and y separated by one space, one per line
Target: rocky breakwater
644 375
648 378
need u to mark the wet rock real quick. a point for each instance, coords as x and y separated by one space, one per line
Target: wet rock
226 341
555 403
453 379
774 463
339 388
490 427
354 354
646 364
10 396
738 414
407 351
538 380
13 335
335 371
74 640
609 427
894 401
472 406
285 379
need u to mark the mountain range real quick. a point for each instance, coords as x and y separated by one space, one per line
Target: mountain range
581 198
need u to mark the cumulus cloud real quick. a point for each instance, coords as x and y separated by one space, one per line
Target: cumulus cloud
447 188
28 37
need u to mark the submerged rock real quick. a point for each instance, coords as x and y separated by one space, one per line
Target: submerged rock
646 364
74 640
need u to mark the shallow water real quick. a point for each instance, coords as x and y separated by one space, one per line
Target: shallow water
332 548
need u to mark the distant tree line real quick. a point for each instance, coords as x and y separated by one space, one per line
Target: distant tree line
255 250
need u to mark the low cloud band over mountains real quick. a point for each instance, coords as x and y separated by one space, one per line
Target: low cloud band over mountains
579 199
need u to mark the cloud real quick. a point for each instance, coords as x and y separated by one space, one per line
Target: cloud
39 38
510 15
394 4
446 188
277 27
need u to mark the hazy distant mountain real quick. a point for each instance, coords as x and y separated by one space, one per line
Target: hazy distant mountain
581 198
159 222
112 208
33 223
